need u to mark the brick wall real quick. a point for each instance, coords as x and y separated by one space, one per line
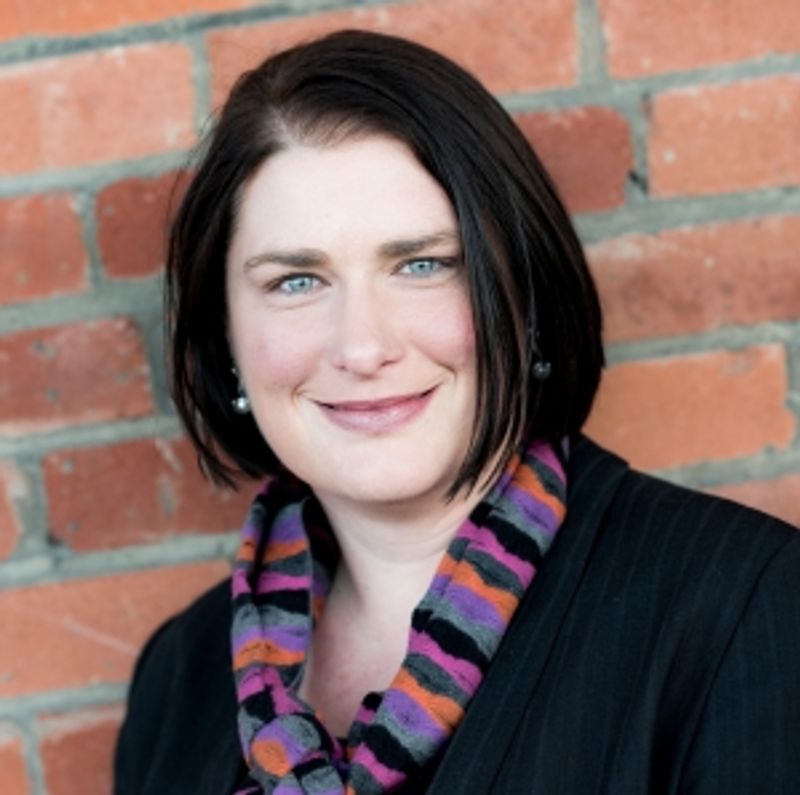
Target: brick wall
673 130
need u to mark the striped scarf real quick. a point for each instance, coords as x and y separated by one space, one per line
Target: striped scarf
282 574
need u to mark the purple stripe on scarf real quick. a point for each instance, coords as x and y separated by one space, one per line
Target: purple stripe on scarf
385 776
488 543
321 586
542 514
296 789
412 716
291 638
288 638
474 607
467 675
545 454
248 685
285 788
256 680
288 526
239 583
249 532
271 581
363 714
277 731
439 585
285 702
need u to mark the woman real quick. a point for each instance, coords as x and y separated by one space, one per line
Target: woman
379 304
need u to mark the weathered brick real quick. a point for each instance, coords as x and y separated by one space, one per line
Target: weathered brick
13 774
645 37
46 18
135 492
777 496
587 152
132 220
93 628
79 373
725 138
14 487
77 750
124 102
704 407
41 250
687 280
510 46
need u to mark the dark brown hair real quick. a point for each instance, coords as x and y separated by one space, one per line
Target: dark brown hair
532 296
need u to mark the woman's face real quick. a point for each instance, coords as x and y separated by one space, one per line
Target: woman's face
350 322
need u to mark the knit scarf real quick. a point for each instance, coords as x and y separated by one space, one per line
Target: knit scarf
282 574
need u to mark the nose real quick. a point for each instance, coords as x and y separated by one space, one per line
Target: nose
364 335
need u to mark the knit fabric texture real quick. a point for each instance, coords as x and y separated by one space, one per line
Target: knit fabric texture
282 573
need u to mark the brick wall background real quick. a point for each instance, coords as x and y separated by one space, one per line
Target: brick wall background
673 130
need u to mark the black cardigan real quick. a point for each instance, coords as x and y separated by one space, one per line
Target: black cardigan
657 651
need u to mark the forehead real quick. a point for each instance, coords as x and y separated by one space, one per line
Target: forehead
368 189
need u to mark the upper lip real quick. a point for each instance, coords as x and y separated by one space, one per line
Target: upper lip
375 404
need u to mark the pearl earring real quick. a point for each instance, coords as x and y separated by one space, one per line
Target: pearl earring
542 370
241 403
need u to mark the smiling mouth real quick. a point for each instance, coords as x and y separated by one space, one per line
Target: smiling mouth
376 416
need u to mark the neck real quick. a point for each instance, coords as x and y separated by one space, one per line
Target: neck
390 553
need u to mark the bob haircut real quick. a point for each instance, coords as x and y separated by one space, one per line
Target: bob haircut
531 293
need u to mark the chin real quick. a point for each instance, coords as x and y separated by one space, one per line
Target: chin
387 486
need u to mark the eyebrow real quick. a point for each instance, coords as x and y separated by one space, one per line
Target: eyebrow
314 258
407 248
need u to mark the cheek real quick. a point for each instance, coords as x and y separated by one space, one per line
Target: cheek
284 362
272 355
447 333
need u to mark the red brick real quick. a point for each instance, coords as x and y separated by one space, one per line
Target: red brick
724 138
586 150
92 629
13 774
132 219
779 496
688 280
645 37
152 488
48 18
77 750
14 488
74 374
510 46
41 250
125 102
685 409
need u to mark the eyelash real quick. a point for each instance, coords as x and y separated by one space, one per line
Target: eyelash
281 285
444 263
311 281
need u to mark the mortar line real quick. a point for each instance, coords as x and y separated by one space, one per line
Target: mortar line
732 338
27 49
592 64
34 764
66 566
29 706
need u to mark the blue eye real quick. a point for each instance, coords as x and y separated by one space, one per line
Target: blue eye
423 267
297 285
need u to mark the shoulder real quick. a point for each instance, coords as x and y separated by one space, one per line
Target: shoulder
186 656
203 624
676 566
668 522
